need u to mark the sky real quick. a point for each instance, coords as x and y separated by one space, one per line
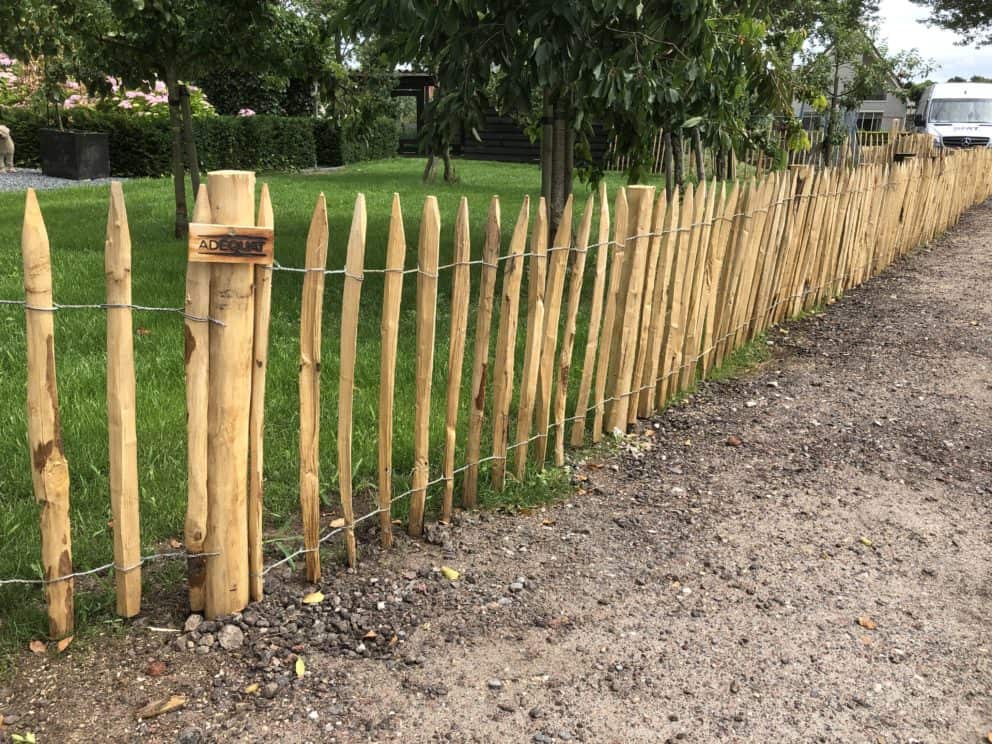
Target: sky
902 29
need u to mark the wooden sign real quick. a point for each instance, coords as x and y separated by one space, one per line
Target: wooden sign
230 244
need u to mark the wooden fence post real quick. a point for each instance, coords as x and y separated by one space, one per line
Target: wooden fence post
430 236
121 427
553 294
256 416
50 471
595 318
480 360
461 276
536 281
197 354
354 269
568 335
311 314
606 333
392 296
232 202
506 338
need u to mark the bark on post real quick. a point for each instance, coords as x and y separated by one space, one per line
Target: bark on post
121 428
197 355
50 471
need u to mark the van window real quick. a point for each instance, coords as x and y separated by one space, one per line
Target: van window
958 111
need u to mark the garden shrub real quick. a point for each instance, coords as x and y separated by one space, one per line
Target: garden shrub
142 145
380 138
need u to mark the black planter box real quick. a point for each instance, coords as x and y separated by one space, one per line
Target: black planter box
73 154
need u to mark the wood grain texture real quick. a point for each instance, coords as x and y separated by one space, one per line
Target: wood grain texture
480 357
460 287
232 201
392 296
311 313
197 356
350 307
430 236
603 252
49 468
121 409
256 416
506 338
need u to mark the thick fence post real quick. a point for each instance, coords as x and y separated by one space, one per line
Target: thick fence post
50 471
232 202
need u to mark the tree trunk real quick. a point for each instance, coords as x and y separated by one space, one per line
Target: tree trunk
669 167
679 160
547 145
430 169
719 165
449 166
178 173
192 160
558 175
697 149
831 118
569 157
731 164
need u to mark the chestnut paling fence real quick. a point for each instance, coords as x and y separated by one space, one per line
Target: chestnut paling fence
875 147
665 289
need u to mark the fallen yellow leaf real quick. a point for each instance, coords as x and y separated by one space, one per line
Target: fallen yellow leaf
64 644
314 598
865 541
252 688
301 666
450 573
335 523
163 705
38 647
867 623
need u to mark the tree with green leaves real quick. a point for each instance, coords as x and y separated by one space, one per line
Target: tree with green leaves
176 41
634 67
970 19
844 64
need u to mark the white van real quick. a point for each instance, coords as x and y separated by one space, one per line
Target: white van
957 114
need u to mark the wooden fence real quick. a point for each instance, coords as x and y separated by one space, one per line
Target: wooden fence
867 147
666 289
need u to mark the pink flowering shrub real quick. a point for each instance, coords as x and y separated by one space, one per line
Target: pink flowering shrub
20 86
246 112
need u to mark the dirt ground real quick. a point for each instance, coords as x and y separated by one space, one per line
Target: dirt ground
826 580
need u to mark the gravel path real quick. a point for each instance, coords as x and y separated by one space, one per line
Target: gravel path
29 178
826 580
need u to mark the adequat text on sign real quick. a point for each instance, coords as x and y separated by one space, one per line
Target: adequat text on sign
230 244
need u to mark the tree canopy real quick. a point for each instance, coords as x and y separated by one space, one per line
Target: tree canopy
970 19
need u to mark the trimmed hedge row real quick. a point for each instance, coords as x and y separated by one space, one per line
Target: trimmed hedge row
141 145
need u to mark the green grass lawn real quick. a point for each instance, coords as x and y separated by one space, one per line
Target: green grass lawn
76 220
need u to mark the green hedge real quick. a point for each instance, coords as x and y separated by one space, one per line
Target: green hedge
141 145
380 139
